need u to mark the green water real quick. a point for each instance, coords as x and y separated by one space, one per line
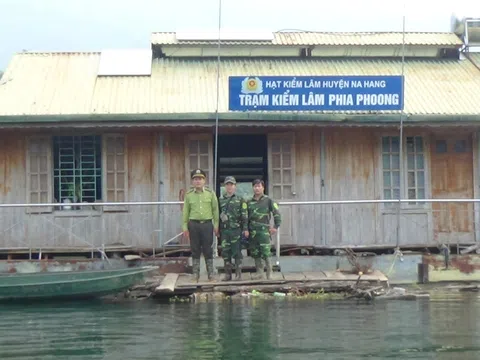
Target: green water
445 327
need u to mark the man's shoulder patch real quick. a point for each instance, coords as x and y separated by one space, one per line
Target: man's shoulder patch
275 205
244 205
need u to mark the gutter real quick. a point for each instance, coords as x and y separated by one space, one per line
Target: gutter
179 119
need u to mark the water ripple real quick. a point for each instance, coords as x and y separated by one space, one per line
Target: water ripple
440 329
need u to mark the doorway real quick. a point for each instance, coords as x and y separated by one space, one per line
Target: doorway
243 157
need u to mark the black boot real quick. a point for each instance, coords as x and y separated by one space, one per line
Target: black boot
228 271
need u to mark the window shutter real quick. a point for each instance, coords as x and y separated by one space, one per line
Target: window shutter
115 171
199 154
281 163
406 179
39 173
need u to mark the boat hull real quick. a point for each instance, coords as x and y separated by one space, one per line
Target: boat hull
76 285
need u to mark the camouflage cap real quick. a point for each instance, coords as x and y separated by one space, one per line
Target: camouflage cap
230 179
198 173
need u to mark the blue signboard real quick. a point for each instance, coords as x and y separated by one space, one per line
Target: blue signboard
315 93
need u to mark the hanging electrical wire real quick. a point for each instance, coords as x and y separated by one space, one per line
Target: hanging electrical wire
400 174
215 246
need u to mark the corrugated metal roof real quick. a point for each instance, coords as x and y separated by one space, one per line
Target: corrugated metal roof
475 57
67 84
326 38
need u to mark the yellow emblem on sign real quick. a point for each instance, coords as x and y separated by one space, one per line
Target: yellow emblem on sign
244 205
252 85
275 205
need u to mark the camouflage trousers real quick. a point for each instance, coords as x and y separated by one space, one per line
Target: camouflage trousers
231 244
259 243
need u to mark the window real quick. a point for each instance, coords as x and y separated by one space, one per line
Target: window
391 167
77 168
39 171
115 165
281 165
413 170
200 155
460 146
441 146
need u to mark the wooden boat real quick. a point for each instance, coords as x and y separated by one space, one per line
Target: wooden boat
70 284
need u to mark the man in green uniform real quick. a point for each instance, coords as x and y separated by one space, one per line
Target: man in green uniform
260 208
233 221
200 221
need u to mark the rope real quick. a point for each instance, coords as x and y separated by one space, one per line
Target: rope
214 245
397 254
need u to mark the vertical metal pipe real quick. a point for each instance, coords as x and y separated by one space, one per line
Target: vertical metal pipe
218 94
323 210
161 208
215 244
401 187
277 249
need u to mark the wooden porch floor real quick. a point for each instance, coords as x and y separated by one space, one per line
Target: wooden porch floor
173 284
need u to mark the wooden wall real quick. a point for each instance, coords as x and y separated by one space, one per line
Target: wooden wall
12 189
452 178
135 227
306 219
330 164
174 184
350 158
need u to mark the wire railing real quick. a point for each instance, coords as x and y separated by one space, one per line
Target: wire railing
156 225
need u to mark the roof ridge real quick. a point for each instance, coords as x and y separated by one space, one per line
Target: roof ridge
366 32
333 32
45 52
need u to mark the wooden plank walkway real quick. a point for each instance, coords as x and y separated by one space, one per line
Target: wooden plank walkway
168 284
328 280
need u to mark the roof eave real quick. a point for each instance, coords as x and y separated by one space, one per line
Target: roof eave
367 118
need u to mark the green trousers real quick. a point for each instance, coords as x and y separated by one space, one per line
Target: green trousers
231 244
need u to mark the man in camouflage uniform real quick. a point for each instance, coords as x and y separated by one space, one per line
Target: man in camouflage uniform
200 221
260 208
233 221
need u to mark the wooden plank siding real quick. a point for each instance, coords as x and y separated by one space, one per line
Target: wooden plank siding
350 174
305 219
327 163
134 226
175 183
12 188
452 178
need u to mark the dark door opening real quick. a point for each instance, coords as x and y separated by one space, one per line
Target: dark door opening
245 158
